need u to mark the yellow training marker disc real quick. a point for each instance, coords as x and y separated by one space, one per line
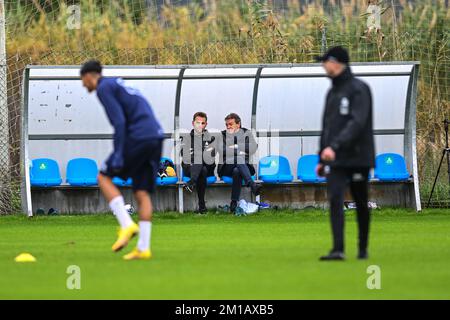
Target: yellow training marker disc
25 257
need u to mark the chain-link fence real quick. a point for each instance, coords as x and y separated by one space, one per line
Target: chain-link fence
147 32
6 188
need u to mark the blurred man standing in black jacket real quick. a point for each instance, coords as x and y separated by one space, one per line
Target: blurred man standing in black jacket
347 147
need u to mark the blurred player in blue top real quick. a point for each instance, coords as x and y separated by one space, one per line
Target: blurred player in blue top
138 139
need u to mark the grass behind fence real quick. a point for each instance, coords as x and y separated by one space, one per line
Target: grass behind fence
233 32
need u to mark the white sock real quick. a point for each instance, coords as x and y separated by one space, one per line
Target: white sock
117 205
145 235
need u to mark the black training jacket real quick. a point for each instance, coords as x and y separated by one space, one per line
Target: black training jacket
347 125
198 149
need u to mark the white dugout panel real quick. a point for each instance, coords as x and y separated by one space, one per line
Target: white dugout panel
62 121
301 106
224 97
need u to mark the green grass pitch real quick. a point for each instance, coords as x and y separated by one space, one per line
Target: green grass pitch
270 255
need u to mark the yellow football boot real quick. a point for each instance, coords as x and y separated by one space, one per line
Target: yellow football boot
125 235
138 255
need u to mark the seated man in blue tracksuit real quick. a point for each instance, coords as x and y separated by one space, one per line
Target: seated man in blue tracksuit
138 139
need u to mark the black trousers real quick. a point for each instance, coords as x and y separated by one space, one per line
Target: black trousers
338 179
238 172
198 174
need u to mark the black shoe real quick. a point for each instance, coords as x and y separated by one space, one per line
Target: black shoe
333 256
363 255
256 189
201 210
190 186
52 212
233 206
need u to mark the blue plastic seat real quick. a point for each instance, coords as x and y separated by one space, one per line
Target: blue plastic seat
209 180
306 169
166 181
82 172
45 173
229 180
122 183
275 169
391 167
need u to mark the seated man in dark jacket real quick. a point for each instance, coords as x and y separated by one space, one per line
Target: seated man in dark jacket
198 153
238 145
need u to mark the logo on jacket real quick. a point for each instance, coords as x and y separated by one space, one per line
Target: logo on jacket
344 107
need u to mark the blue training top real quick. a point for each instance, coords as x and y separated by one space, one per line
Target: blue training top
130 114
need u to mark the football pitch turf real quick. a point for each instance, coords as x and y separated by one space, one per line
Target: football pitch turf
270 255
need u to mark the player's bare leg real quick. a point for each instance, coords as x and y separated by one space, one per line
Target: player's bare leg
145 205
145 208
108 188
128 229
